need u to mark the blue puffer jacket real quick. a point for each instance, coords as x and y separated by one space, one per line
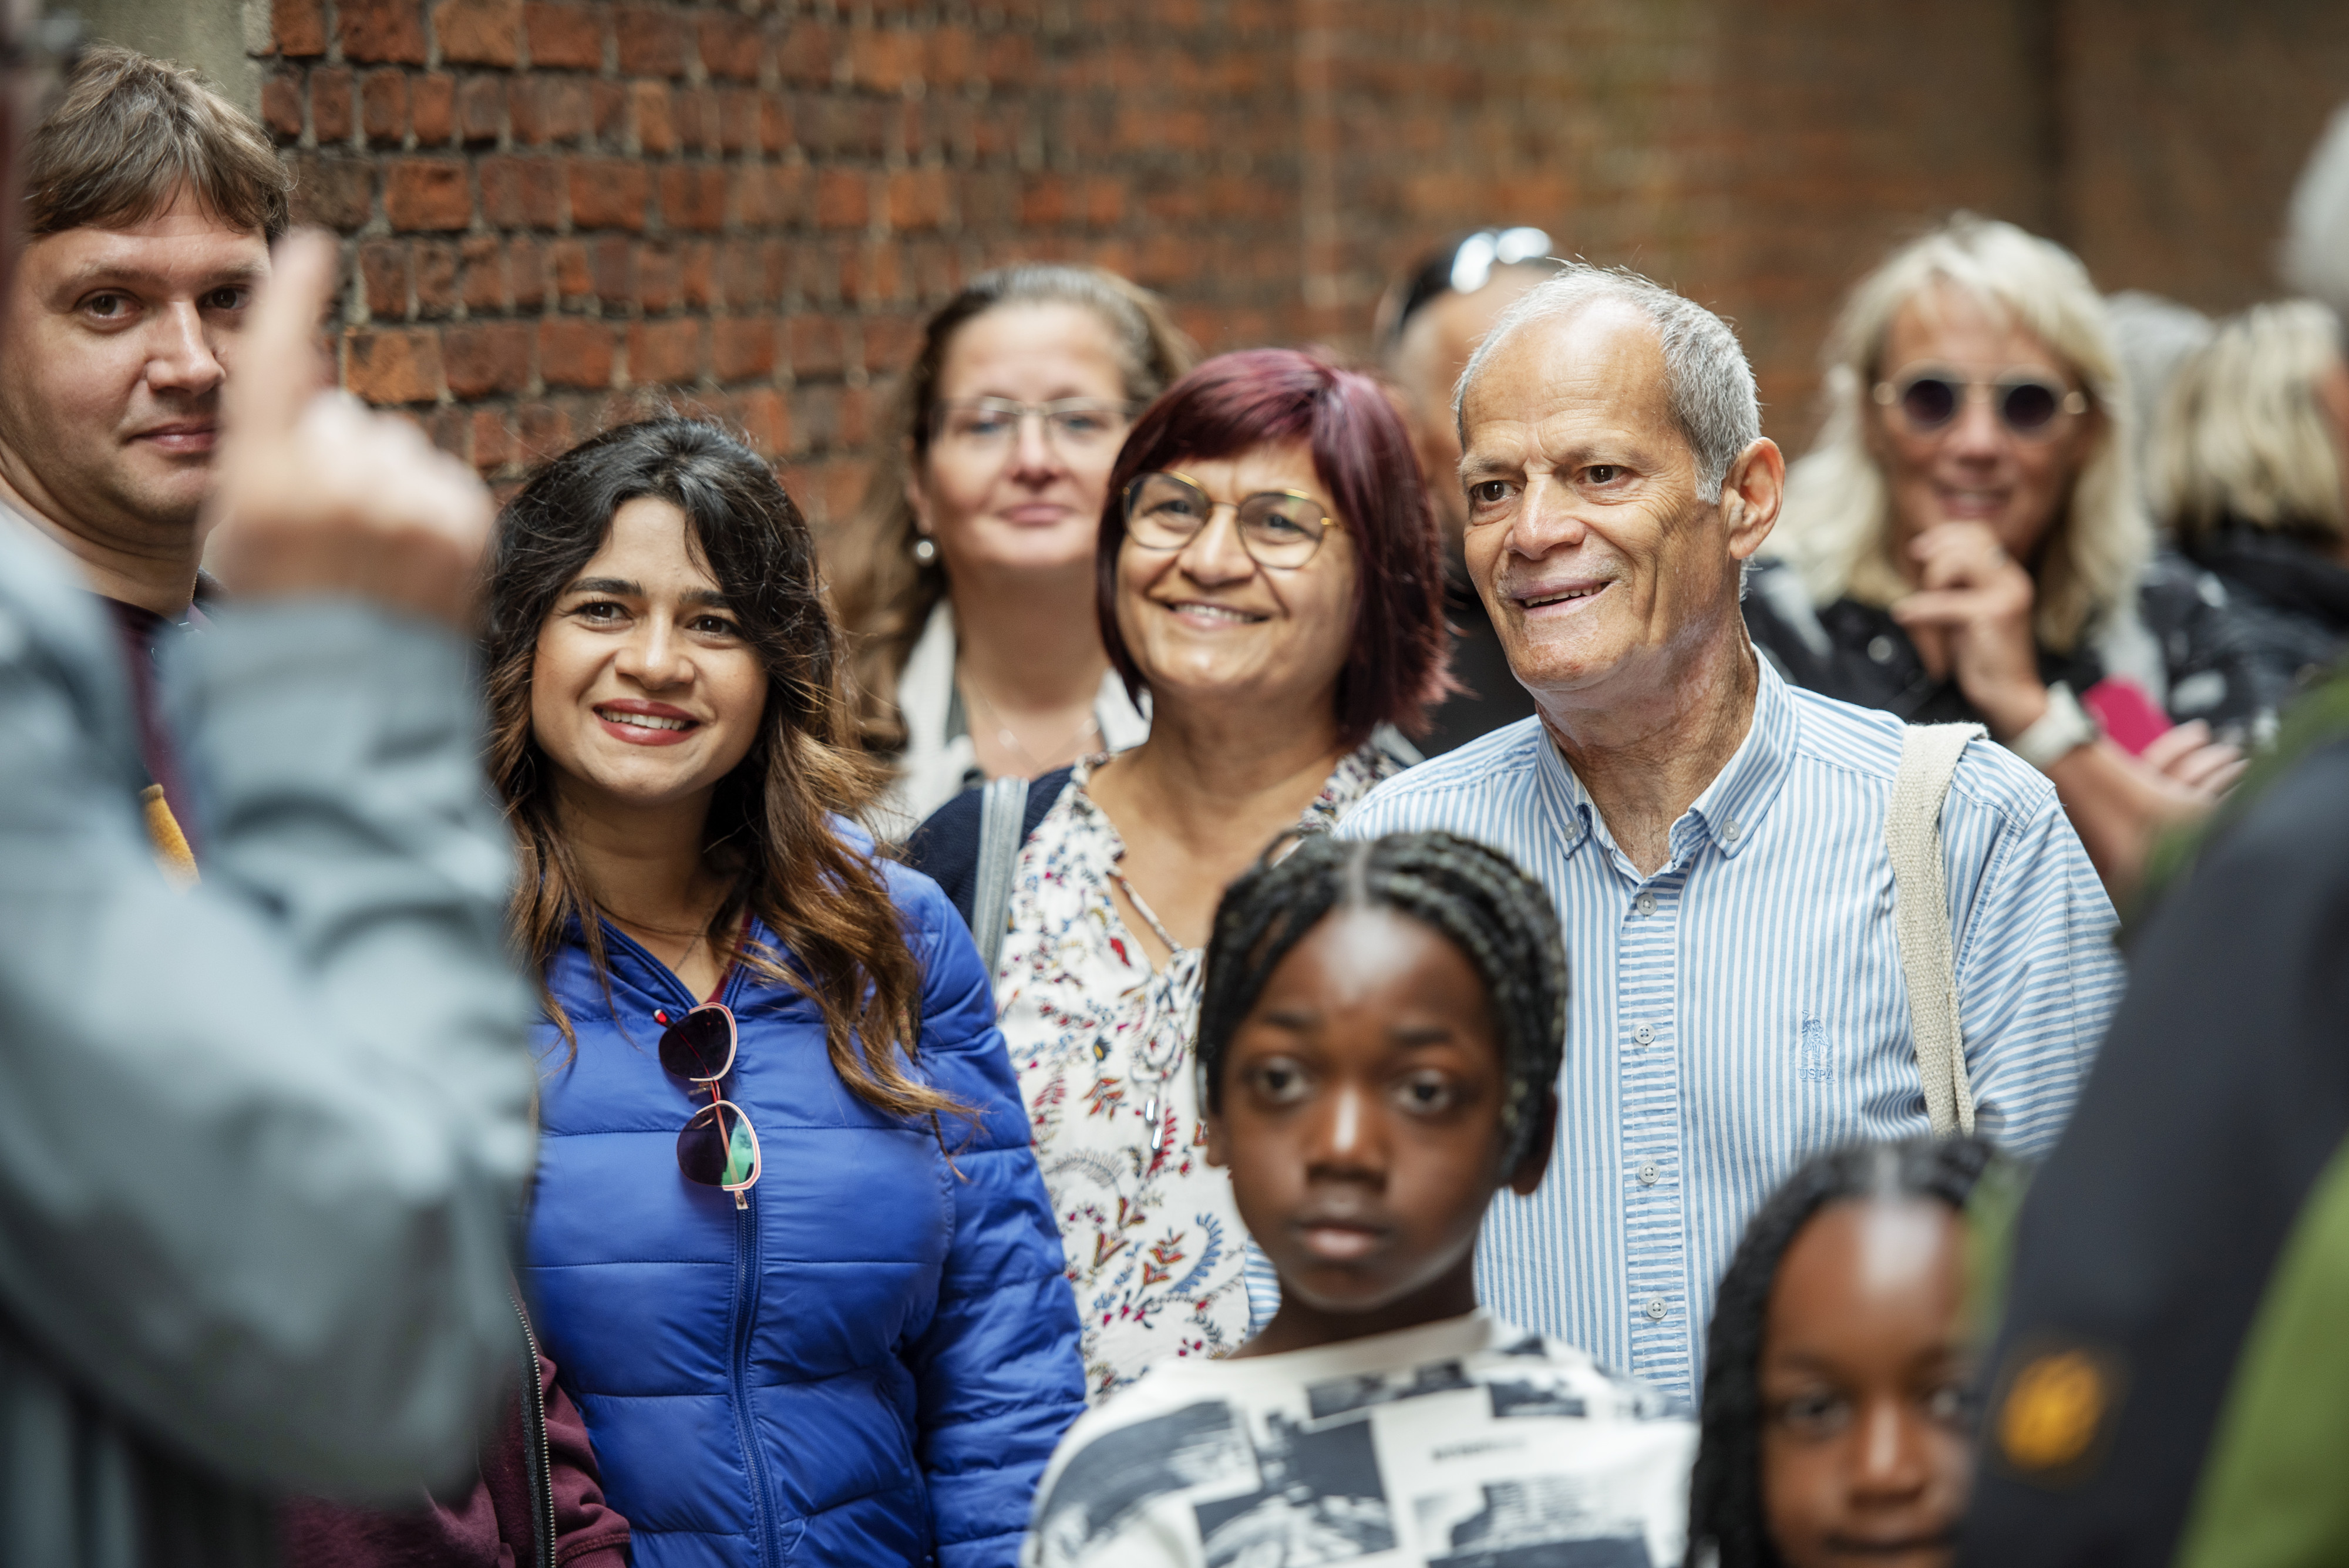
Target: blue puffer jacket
869 1365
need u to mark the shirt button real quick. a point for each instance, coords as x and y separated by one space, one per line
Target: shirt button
1656 1309
1881 649
1648 1175
1643 1034
1730 830
1645 903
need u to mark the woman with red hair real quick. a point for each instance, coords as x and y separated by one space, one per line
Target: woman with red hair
1269 575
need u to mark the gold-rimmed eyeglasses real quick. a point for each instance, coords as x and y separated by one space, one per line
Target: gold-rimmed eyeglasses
1280 529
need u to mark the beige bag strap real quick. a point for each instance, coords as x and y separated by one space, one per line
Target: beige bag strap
1920 914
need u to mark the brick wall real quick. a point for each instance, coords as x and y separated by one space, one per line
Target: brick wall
555 211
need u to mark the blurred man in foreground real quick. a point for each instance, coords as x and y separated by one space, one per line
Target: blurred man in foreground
258 1138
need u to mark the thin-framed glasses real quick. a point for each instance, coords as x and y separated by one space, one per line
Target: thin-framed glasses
992 424
1280 529
2029 405
718 1148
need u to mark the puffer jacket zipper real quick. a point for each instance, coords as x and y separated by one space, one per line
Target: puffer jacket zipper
537 1459
745 1326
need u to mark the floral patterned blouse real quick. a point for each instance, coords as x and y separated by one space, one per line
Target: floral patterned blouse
1102 1044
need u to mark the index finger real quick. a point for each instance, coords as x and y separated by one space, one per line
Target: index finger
277 369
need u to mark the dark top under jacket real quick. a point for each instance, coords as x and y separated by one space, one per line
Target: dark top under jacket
945 848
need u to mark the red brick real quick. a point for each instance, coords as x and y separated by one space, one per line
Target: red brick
697 120
432 108
400 366
917 198
729 46
889 343
570 36
608 194
884 58
435 266
526 272
483 273
816 346
494 446
649 106
480 107
652 42
521 192
333 193
807 54
452 433
486 357
567 269
613 260
667 350
331 105
383 276
607 105
478 32
427 194
841 198
574 352
383 107
281 107
549 108
391 31
698 292
742 347
775 123
693 196
766 420
544 430
660 278
298 28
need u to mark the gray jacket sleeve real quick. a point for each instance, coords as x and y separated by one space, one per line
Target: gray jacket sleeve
260 1140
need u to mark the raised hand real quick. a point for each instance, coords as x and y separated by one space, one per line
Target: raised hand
318 496
1971 617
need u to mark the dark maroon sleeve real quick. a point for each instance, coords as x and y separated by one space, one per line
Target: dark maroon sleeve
587 1532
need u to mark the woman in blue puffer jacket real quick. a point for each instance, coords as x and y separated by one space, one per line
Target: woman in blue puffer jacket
788 1244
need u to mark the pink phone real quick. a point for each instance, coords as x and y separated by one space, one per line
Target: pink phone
2129 716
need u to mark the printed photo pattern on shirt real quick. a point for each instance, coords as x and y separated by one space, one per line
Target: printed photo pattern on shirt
1525 1453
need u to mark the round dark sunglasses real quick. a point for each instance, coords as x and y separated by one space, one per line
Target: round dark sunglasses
719 1148
2026 404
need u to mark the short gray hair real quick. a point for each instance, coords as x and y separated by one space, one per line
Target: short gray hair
1708 383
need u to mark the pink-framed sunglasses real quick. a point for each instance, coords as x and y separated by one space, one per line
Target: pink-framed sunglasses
719 1148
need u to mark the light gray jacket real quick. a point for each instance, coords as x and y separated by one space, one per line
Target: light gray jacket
260 1140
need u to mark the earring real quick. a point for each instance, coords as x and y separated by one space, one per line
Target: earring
926 549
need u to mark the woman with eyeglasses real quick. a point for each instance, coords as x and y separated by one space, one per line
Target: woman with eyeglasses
1268 574
787 1241
966 579
1967 543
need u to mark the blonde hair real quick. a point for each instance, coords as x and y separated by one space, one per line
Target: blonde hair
885 595
2242 436
1837 527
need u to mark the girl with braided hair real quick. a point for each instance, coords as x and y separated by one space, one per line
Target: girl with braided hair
1379 1047
1838 1388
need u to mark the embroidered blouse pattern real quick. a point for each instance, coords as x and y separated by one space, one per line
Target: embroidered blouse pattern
1102 1045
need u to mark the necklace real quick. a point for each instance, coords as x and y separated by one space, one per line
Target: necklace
1009 740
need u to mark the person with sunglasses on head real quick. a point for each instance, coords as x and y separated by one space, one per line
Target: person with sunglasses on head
1269 575
1428 324
1966 542
787 1243
965 578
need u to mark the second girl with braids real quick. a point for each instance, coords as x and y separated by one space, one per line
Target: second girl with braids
788 1244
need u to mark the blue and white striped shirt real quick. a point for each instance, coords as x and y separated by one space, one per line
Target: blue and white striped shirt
1744 1008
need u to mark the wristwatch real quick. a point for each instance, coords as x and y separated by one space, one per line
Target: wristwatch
2063 728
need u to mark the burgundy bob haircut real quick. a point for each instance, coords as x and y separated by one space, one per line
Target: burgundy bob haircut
1395 669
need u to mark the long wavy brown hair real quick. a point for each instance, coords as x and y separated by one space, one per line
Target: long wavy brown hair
774 824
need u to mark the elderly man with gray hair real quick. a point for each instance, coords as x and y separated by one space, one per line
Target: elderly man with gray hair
1790 922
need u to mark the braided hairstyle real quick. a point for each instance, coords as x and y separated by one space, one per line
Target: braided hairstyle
1727 1527
1476 897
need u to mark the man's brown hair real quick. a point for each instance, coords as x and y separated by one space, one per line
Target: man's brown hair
131 131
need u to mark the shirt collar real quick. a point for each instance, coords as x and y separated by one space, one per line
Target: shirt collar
1731 808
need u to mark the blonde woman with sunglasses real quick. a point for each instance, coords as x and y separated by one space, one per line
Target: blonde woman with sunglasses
788 1242
1966 542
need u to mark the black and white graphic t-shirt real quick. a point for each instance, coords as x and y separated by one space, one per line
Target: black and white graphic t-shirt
1462 1444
